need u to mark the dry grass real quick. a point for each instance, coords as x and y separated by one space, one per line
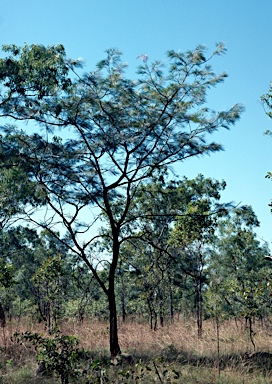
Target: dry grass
175 345
137 338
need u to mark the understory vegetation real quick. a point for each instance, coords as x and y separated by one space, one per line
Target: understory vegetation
172 354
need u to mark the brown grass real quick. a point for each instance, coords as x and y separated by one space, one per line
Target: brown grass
176 344
137 338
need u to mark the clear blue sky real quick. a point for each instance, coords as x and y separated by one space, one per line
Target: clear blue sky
87 27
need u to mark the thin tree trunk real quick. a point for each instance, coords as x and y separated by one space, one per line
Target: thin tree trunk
124 315
171 307
48 316
199 298
151 314
155 322
161 320
218 344
199 311
2 317
123 302
251 333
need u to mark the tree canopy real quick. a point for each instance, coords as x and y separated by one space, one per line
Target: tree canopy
102 135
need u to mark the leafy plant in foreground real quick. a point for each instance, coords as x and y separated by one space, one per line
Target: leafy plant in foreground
58 354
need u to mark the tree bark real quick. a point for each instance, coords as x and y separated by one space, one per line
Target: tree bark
199 300
124 314
114 342
171 307
2 317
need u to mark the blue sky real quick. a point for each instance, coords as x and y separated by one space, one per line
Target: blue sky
87 27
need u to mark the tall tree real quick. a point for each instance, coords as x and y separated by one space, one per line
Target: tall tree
113 135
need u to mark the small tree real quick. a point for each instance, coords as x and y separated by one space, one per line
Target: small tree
193 234
111 135
49 291
238 270
59 354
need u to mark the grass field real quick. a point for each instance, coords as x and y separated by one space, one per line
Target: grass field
172 354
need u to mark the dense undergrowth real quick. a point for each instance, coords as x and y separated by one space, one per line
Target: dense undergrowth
172 354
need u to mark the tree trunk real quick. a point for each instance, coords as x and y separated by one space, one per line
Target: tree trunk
124 314
123 300
2 317
161 319
199 319
114 343
171 306
251 333
199 299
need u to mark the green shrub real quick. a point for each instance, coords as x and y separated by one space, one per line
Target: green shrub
58 354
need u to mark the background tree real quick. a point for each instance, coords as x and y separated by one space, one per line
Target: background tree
267 101
193 234
84 293
49 291
24 250
238 270
113 134
165 257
